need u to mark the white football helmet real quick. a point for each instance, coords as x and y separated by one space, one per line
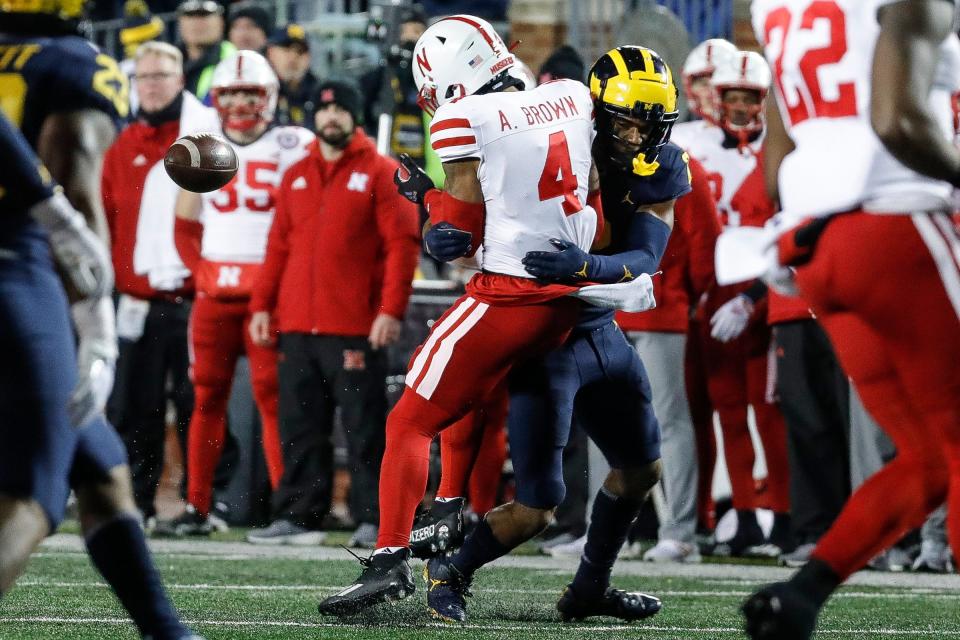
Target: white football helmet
456 57
244 70
701 62
746 70
524 74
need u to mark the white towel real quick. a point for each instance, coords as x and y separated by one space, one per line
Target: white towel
155 254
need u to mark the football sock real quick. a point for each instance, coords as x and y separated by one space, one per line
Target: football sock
119 551
817 580
773 435
739 455
610 522
488 467
480 547
459 444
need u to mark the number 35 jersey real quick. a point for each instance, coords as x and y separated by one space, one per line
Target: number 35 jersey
534 153
821 55
40 76
236 218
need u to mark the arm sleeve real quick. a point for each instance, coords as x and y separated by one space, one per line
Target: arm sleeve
187 237
454 134
267 287
647 237
699 208
397 222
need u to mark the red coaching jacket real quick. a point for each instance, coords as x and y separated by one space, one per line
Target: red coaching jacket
343 246
687 263
125 166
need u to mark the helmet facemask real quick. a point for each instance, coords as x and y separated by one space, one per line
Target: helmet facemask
636 136
742 117
241 108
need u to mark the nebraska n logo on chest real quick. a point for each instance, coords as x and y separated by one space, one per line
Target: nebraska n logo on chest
358 181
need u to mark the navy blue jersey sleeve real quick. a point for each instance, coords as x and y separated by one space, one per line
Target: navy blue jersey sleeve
42 76
670 181
24 181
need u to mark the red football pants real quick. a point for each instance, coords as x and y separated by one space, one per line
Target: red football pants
472 453
469 351
887 291
701 414
218 336
738 375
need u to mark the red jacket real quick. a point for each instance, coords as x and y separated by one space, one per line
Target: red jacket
343 246
687 264
125 166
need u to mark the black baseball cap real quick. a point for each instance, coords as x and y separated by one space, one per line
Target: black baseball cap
292 34
342 94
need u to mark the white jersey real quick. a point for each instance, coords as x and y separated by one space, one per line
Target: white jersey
534 151
735 176
821 54
237 217
684 133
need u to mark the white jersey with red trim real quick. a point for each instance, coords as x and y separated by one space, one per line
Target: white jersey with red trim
534 152
821 54
736 177
237 217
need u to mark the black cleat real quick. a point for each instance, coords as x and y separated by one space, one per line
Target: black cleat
188 523
779 612
446 590
749 536
438 530
614 603
386 577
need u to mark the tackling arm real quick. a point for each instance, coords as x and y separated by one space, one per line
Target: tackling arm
777 145
187 230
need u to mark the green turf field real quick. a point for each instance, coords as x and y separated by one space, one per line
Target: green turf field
233 590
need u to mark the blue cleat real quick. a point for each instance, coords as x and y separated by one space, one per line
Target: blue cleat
446 590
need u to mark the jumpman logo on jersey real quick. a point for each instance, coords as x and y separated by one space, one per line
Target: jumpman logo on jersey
583 272
627 199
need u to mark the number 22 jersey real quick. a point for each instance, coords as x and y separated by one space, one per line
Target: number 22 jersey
821 55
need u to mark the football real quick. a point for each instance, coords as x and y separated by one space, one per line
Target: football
201 162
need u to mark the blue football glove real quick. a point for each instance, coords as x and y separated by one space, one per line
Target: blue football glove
445 242
415 186
569 262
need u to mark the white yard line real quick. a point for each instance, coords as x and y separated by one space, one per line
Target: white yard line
477 627
900 594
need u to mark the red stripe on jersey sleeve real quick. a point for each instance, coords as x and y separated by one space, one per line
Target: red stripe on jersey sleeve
452 123
454 142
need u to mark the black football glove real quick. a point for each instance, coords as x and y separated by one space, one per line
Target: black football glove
415 186
567 263
445 242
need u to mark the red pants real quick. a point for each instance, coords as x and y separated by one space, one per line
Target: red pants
701 414
472 453
739 373
887 291
468 353
218 336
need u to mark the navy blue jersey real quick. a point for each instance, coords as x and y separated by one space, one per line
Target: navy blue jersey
626 194
42 75
24 181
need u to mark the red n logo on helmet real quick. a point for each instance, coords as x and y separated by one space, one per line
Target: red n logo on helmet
423 63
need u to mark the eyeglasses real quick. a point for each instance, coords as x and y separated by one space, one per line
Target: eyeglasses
155 77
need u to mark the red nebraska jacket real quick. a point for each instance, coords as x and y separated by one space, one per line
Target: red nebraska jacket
343 246
125 166
687 263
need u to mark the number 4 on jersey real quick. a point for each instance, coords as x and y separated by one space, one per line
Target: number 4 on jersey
558 179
